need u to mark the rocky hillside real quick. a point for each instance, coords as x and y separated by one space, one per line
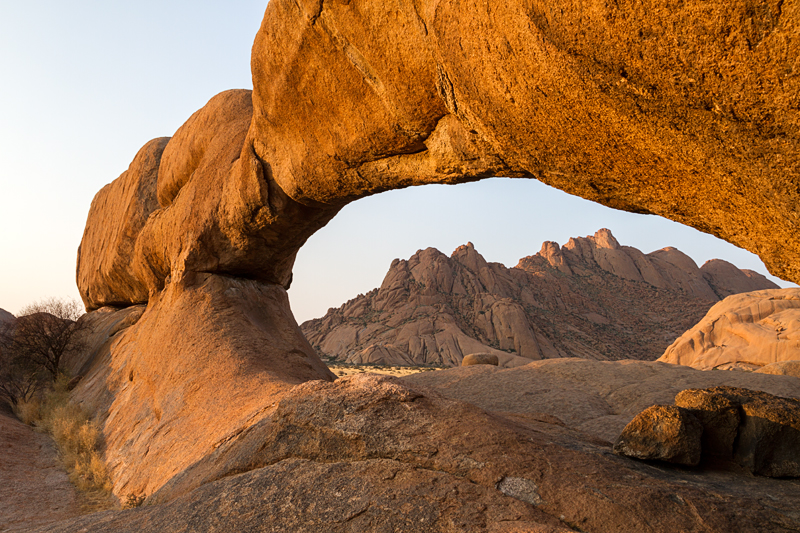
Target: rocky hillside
591 298
5 316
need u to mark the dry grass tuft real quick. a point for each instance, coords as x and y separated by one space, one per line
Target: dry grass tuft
134 501
28 411
348 369
77 437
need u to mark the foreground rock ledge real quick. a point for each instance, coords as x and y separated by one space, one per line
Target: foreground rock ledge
373 453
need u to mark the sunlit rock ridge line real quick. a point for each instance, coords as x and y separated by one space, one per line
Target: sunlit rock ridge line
689 112
591 298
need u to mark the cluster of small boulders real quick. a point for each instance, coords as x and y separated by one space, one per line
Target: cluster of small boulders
719 426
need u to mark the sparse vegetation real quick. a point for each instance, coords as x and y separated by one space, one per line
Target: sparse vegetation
32 382
342 369
33 345
134 500
77 437
19 378
45 332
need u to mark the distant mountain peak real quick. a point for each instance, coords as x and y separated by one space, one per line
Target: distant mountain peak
591 298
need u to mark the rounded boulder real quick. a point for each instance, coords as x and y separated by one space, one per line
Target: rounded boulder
480 359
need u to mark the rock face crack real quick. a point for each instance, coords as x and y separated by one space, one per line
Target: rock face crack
356 514
314 14
445 89
353 55
422 20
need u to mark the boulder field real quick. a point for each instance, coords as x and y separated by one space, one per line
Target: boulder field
214 404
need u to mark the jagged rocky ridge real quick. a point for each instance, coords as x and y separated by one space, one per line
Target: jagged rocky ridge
591 298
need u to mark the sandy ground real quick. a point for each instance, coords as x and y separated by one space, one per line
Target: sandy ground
34 488
341 369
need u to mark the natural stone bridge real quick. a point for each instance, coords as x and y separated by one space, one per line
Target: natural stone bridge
686 110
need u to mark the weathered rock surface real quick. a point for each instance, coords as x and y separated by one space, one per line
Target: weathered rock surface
756 430
119 212
720 418
662 433
167 398
307 496
768 441
373 453
211 352
755 328
34 489
590 298
100 334
210 208
781 368
479 359
599 398
684 112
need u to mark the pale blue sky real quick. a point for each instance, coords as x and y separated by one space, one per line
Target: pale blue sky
83 85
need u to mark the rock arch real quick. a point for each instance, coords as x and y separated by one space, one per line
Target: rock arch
687 111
